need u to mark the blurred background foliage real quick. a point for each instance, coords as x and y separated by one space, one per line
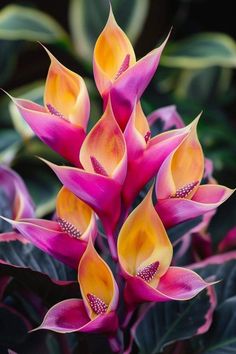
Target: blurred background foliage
196 74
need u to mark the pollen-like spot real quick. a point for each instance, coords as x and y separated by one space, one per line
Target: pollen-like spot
98 168
147 273
185 190
54 111
69 228
97 305
124 66
147 136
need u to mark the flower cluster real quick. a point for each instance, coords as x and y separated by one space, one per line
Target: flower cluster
111 164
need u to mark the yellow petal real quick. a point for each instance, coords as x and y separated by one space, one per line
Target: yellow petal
141 122
143 241
113 53
66 94
181 172
187 165
75 212
95 278
104 148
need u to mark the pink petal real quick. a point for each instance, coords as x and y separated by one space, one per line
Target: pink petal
70 316
176 284
59 134
12 236
148 160
172 211
15 189
229 241
168 115
129 87
98 191
47 236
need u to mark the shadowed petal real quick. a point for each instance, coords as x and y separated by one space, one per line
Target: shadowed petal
100 192
169 117
17 193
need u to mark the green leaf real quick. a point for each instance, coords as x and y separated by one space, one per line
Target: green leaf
23 23
168 322
177 232
87 19
10 142
222 336
201 51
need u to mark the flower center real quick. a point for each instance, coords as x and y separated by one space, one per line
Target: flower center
98 168
53 111
147 136
97 305
124 66
69 228
185 190
147 273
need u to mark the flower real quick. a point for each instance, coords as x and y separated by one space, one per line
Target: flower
117 73
104 159
96 311
179 194
145 254
18 202
145 153
66 238
62 121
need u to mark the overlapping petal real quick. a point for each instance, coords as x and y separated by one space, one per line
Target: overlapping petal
145 254
59 238
116 72
146 154
62 122
179 194
96 312
104 158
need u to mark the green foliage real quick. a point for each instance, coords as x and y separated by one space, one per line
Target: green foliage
23 23
87 21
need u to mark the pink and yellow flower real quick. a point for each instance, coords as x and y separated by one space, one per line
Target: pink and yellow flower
66 238
179 194
61 123
104 159
145 254
96 311
117 73
145 153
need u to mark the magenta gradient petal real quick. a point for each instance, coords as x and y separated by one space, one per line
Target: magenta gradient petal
47 236
229 241
168 115
173 211
100 192
149 160
176 284
129 87
71 316
15 189
58 133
